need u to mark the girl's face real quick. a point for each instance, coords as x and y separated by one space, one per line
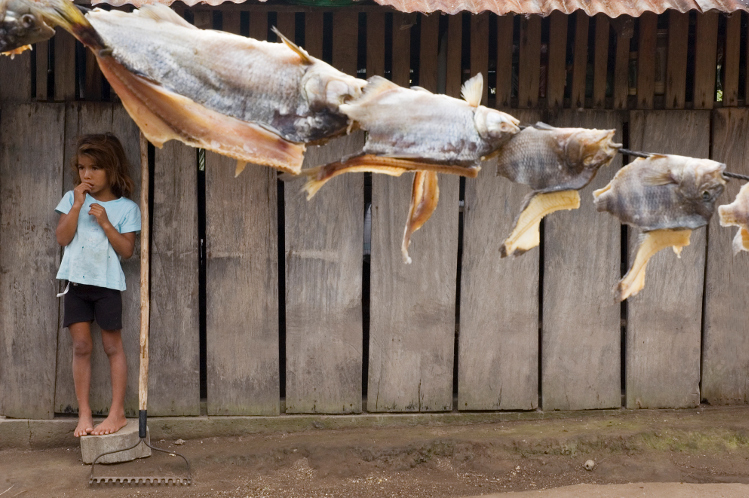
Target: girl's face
93 175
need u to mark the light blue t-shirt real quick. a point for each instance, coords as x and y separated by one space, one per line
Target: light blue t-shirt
89 258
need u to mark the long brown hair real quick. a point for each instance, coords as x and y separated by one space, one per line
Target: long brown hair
107 152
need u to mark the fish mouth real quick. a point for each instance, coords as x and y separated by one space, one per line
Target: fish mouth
599 151
21 26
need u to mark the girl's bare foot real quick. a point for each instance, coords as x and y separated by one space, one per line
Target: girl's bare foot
110 425
85 425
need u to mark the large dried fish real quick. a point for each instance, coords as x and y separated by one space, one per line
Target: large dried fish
252 100
667 197
21 25
555 163
737 214
412 129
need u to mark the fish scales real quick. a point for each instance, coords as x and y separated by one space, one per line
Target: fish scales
550 160
251 80
413 123
663 192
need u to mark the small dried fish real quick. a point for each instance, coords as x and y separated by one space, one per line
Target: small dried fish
666 196
555 163
737 214
256 101
21 25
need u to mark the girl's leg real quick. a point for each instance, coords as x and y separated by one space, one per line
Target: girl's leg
112 340
81 334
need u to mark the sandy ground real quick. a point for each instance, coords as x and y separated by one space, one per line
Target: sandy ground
657 451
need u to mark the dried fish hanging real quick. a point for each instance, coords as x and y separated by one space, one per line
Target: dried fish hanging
21 26
666 196
412 129
555 163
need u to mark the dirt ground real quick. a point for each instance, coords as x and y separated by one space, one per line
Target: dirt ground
707 445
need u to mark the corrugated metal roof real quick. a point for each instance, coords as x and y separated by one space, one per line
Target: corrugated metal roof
612 8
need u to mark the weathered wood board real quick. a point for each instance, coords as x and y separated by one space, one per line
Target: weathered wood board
498 342
725 354
241 289
664 319
174 371
15 77
529 71
581 338
705 55
676 63
98 117
580 60
31 146
556 76
646 60
324 239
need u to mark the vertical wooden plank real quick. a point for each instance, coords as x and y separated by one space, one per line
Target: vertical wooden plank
15 78
30 134
504 60
345 34
453 79
704 60
203 19
93 81
376 44
664 319
259 26
725 357
174 372
646 60
83 118
41 51
313 24
401 49
581 322
285 24
480 50
732 60
64 65
230 22
601 58
324 238
621 67
579 60
676 62
429 48
557 73
530 61
498 342
241 289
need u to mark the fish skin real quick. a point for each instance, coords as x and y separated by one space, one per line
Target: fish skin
288 92
737 214
554 159
413 123
21 25
663 192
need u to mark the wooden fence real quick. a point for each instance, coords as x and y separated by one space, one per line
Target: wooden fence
264 303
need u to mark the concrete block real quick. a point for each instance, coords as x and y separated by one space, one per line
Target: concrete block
93 446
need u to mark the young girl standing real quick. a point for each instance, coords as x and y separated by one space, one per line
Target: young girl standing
97 227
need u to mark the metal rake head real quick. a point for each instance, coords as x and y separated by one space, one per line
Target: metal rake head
186 481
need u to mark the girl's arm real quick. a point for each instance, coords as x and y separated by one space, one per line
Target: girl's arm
122 243
68 223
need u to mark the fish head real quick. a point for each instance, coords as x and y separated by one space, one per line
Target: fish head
700 183
325 87
588 149
495 126
21 25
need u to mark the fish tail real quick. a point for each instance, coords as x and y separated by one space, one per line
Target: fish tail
741 241
424 198
65 14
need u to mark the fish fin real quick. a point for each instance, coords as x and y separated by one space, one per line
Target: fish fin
293 46
597 193
543 126
375 86
657 177
741 241
650 243
163 115
473 90
162 13
65 14
727 215
424 198
525 233
241 165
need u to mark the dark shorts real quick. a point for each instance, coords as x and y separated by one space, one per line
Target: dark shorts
85 303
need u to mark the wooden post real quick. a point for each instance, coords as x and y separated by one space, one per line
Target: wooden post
453 80
731 60
601 58
402 48
64 65
428 67
530 61
556 77
704 60
621 68
580 60
376 44
480 50
504 60
145 269
646 60
676 63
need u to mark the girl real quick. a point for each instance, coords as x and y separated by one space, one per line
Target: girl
97 227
